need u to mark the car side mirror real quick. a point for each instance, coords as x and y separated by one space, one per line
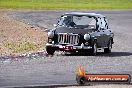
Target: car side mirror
54 25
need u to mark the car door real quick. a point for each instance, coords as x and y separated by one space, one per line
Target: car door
100 33
106 32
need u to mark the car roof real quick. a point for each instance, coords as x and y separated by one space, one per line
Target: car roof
84 14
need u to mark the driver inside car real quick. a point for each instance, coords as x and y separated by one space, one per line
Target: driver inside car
72 24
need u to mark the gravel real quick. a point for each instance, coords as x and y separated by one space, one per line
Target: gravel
60 68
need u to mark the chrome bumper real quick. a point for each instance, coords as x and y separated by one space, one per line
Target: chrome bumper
74 47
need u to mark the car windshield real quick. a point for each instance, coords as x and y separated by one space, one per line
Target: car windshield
75 21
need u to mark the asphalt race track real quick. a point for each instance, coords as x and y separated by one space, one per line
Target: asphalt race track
60 68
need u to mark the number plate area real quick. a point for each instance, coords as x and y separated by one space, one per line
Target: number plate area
66 47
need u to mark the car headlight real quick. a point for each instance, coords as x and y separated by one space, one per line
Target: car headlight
87 37
50 40
50 34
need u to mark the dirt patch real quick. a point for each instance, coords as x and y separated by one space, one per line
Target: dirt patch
17 37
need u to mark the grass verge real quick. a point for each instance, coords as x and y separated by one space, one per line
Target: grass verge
21 47
66 4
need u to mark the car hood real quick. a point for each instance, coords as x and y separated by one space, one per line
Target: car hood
81 31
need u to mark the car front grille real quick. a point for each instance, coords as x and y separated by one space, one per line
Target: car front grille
68 38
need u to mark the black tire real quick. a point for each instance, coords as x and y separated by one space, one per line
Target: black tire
81 80
108 50
50 50
93 51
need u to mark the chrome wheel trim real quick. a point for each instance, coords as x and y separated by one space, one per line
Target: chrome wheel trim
110 45
95 48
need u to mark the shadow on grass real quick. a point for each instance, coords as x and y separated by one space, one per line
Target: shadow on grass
112 54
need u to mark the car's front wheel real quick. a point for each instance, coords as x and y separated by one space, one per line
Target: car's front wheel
94 49
108 50
50 50
81 80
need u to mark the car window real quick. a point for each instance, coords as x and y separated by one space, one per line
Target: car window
99 23
65 20
78 21
103 23
107 26
84 20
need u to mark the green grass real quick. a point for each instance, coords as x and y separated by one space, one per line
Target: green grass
20 47
66 4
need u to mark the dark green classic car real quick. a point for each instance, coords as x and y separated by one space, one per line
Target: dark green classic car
77 31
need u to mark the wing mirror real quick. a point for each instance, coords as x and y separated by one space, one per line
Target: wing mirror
54 25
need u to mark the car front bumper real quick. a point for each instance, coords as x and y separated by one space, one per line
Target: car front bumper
68 47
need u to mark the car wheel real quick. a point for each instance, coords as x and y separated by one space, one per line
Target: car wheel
94 49
81 80
108 50
50 50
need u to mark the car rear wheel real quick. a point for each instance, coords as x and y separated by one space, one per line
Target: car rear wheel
108 50
50 50
94 49
81 80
